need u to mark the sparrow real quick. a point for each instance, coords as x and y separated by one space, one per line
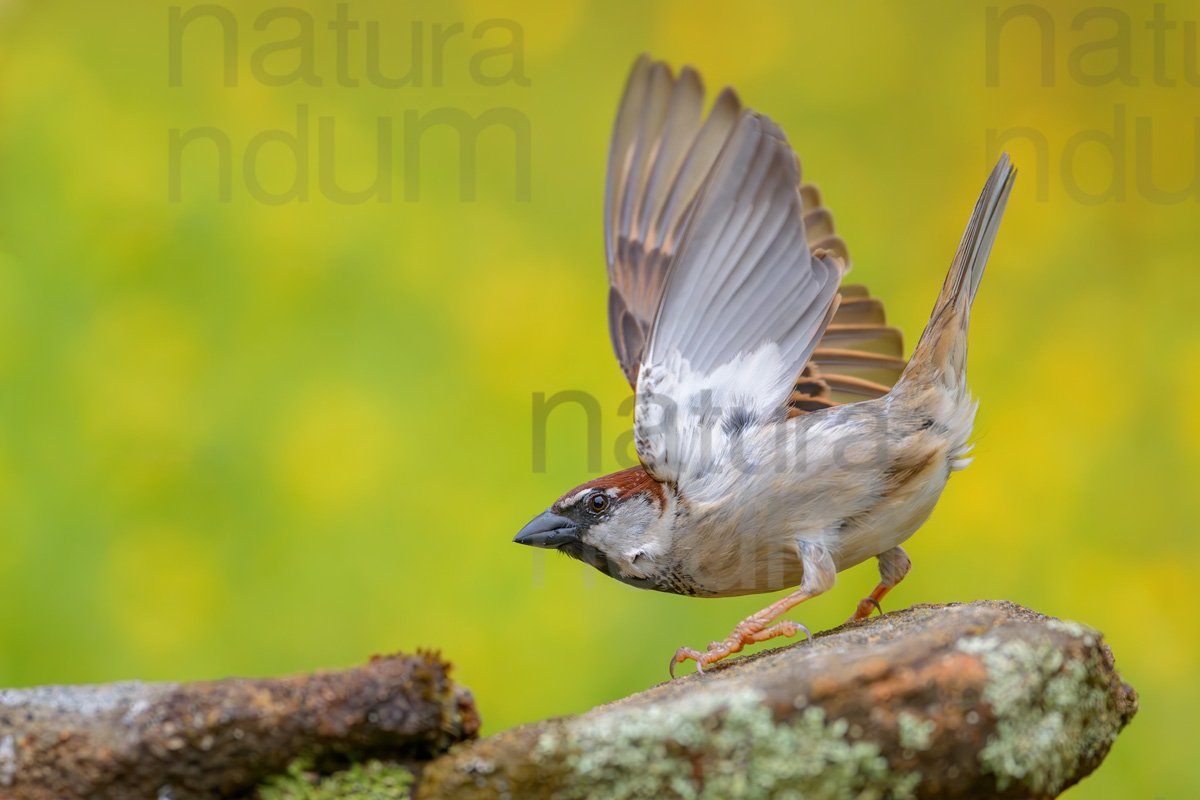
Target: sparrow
781 435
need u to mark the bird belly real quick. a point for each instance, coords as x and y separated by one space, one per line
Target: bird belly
895 516
848 494
747 564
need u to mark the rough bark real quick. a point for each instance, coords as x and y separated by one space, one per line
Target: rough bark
975 700
985 699
202 740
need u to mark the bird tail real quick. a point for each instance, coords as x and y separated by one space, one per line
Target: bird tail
941 355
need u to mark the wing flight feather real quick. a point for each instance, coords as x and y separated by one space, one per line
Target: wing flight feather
744 305
662 150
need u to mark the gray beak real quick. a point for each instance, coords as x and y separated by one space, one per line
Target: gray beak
549 531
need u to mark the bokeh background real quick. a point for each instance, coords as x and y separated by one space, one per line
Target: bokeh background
245 438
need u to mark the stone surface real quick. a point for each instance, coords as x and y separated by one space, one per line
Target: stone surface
984 699
202 740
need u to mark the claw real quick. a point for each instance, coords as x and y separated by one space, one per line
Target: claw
864 609
752 630
683 654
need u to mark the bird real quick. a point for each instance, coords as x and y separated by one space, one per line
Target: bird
781 436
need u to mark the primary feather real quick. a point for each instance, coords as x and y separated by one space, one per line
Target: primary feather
662 151
743 308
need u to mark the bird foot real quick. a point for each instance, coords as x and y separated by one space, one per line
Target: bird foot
864 609
746 632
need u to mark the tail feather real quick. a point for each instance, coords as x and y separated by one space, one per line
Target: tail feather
941 353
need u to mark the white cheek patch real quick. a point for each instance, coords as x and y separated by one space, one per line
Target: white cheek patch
647 551
639 536
635 536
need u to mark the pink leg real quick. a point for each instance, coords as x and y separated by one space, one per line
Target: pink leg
893 566
819 573
750 630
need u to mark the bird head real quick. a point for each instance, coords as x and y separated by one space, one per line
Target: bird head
615 523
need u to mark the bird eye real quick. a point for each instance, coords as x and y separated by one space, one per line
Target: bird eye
598 502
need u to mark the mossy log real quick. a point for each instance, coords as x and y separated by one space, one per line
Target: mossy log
974 700
141 741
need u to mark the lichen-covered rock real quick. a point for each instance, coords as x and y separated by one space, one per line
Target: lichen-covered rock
984 699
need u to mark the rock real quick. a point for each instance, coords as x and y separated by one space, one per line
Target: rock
983 699
178 741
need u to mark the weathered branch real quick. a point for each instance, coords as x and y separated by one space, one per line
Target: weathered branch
985 699
975 700
165 740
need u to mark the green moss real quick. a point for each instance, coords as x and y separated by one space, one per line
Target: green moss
718 746
1050 711
373 780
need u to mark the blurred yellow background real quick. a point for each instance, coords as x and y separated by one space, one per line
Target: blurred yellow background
249 438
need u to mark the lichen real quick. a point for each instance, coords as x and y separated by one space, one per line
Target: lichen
372 780
718 746
915 733
1076 629
1050 712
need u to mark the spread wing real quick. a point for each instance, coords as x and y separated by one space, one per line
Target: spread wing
663 148
744 305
